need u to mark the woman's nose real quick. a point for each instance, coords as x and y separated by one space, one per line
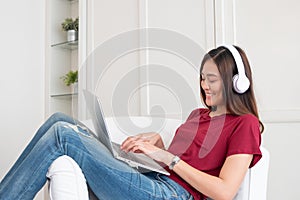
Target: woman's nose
204 85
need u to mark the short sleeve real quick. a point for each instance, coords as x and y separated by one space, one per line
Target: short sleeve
246 138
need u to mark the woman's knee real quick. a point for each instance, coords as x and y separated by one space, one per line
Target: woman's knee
59 116
66 130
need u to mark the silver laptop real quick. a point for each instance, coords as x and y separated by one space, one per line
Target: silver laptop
139 161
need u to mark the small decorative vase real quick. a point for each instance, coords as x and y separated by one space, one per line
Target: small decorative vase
72 35
74 88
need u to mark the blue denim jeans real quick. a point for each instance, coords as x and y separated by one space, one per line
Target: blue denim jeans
107 177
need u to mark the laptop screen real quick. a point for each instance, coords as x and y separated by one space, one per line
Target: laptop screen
94 108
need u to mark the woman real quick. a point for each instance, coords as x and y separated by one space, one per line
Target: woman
208 157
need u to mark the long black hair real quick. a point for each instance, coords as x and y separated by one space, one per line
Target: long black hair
237 104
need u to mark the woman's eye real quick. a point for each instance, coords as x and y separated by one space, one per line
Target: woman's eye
212 81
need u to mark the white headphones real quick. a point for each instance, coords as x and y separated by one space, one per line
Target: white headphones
240 81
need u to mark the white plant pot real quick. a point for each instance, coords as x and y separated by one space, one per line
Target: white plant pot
72 35
74 88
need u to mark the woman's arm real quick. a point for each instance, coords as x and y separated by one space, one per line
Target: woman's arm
223 187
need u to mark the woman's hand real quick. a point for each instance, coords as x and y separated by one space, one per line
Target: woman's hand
148 144
151 137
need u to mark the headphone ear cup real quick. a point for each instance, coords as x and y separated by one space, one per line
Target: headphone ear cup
240 83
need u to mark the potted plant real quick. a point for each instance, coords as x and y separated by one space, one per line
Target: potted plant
71 26
71 79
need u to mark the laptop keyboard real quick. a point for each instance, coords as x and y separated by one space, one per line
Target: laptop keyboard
123 154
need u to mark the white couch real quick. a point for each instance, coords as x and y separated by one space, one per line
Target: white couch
66 180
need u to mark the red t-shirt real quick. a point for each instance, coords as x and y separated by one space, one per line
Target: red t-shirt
205 142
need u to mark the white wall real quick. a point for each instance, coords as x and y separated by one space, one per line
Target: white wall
189 19
178 61
107 19
269 32
282 140
22 76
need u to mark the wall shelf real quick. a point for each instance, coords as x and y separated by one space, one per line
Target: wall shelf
62 56
73 45
64 95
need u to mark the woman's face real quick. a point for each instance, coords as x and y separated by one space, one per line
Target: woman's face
212 84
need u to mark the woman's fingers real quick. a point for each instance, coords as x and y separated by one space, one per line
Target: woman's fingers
134 144
137 145
153 152
129 143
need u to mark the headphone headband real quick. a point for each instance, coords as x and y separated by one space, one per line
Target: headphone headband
240 81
